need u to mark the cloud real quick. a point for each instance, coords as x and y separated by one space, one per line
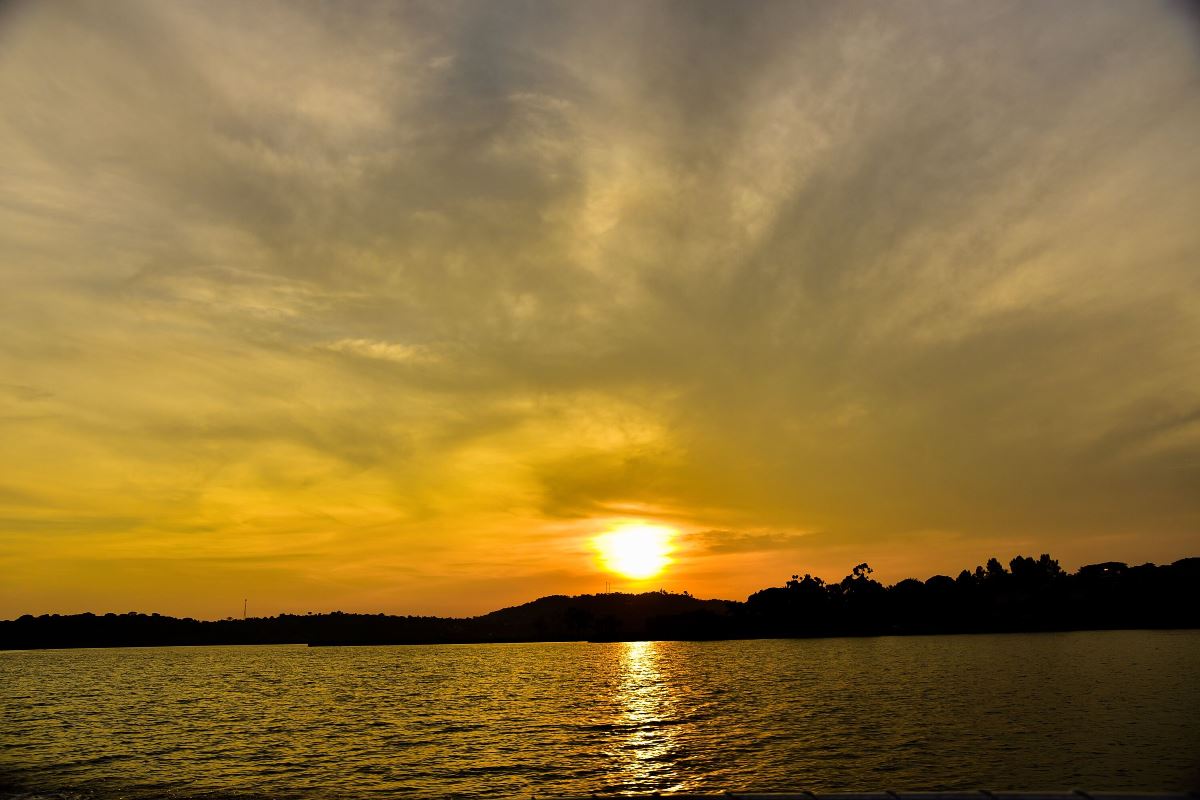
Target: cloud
722 542
384 351
376 274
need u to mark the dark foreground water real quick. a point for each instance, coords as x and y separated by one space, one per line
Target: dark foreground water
1103 711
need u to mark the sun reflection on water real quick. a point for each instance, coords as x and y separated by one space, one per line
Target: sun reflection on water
649 720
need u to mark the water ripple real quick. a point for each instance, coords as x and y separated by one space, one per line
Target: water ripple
1108 711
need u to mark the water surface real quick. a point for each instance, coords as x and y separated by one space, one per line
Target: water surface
1100 710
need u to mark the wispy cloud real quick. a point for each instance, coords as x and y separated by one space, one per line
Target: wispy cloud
385 351
721 542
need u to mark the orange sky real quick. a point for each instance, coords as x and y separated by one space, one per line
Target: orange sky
396 307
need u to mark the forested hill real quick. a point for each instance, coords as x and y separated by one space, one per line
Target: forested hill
1029 595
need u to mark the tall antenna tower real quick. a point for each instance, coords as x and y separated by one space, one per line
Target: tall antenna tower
244 601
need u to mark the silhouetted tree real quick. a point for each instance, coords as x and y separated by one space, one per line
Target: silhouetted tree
1035 595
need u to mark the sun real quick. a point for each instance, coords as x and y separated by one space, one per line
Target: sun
635 550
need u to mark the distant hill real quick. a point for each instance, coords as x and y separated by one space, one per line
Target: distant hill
613 616
592 617
557 618
1030 595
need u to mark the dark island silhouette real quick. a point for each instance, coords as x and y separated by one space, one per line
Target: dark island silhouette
1031 595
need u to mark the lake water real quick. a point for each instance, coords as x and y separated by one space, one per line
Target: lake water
1102 711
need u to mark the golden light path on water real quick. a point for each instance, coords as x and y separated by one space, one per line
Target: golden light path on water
649 707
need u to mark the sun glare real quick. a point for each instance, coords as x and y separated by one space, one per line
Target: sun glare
635 550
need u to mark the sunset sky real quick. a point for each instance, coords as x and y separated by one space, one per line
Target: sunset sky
397 307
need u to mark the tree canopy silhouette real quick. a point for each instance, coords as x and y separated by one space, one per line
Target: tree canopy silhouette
1030 595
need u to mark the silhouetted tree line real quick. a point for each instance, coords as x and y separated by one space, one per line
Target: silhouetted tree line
1030 595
